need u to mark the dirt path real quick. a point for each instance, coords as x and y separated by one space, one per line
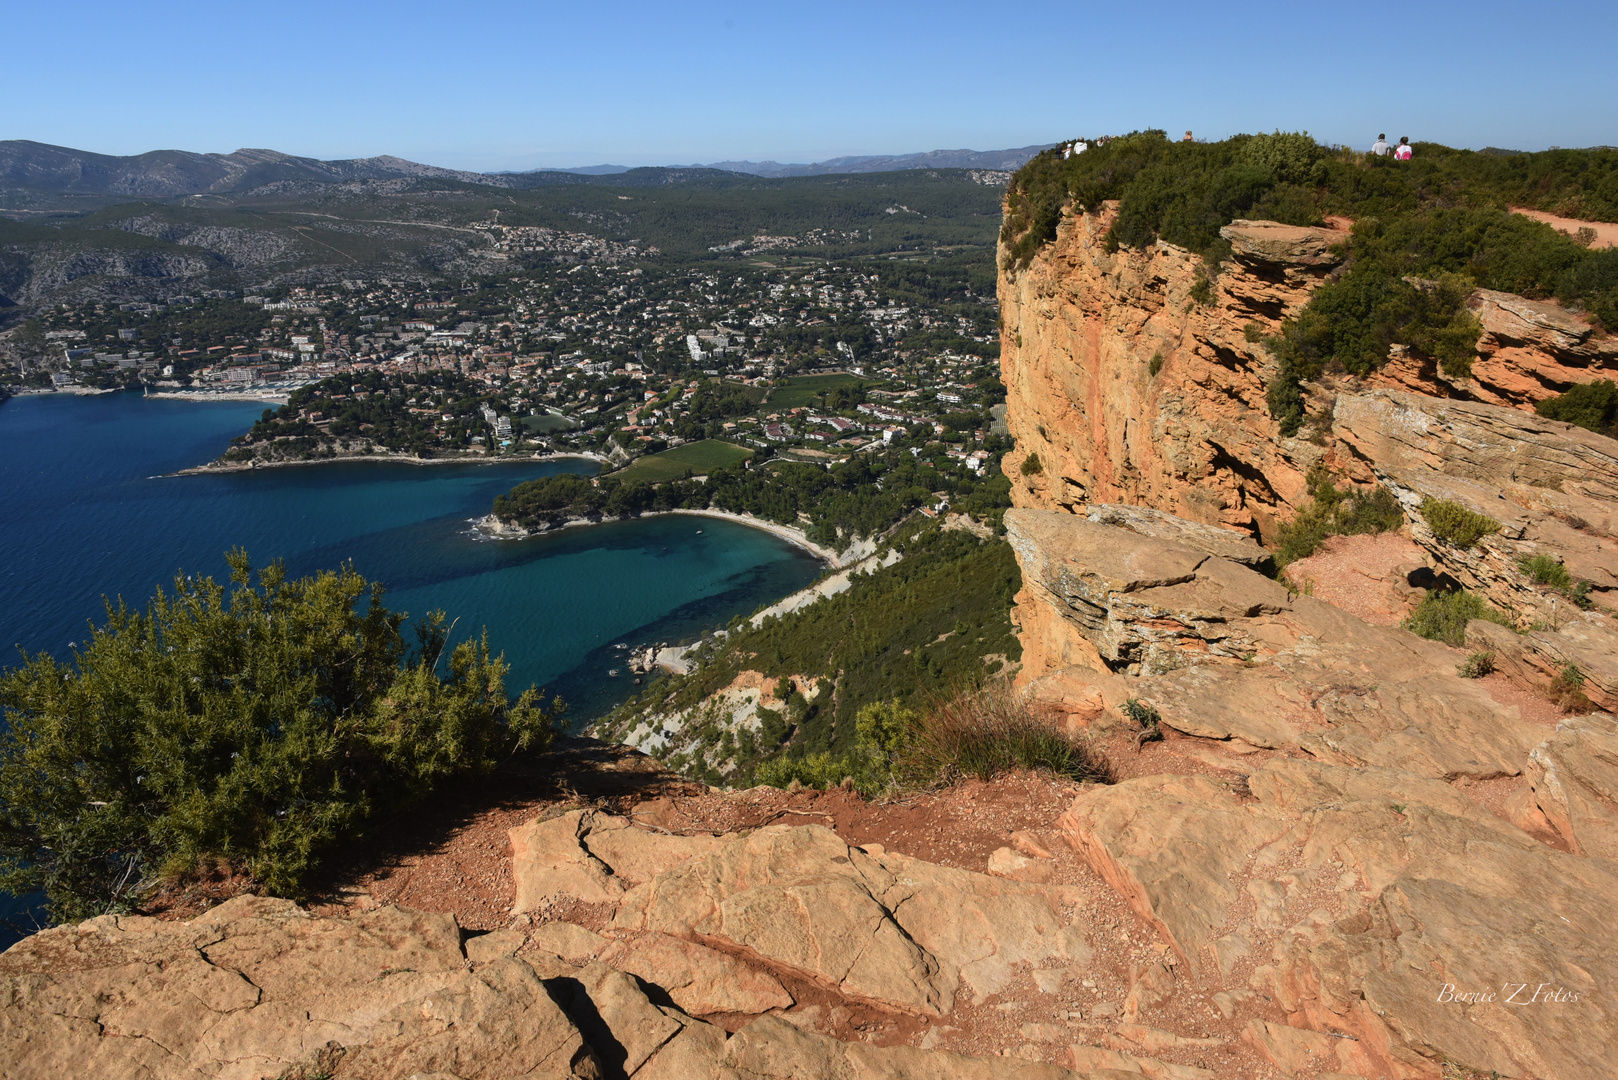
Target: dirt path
1606 232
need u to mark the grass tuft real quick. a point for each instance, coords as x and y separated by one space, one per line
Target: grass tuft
984 732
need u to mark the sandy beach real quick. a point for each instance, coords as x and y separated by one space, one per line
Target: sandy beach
493 527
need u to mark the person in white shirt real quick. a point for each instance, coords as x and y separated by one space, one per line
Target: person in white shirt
1380 148
1404 151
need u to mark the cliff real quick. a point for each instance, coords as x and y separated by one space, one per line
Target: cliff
1345 818
1137 378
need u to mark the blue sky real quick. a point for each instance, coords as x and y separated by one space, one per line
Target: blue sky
490 84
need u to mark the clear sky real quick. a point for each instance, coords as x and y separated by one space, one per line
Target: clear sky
501 84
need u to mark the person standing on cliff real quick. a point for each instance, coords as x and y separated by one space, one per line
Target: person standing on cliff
1380 148
1403 151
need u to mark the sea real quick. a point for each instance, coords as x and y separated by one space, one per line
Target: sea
89 513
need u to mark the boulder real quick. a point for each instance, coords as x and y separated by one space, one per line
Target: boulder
1290 245
886 929
800 898
259 987
591 857
1142 603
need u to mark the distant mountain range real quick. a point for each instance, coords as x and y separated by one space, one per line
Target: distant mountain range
932 159
42 169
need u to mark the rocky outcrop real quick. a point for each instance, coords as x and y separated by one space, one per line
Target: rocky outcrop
1331 861
1529 350
261 988
1222 652
1383 912
1552 487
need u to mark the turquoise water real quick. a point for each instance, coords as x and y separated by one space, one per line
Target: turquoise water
85 512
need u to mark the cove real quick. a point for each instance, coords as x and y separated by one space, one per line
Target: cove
86 511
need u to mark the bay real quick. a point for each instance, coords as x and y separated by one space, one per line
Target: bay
87 512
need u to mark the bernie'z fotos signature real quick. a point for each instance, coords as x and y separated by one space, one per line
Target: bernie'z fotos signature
1510 993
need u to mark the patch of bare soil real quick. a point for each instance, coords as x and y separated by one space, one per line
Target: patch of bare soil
1604 233
1360 574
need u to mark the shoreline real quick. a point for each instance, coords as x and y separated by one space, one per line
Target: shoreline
214 468
498 530
221 395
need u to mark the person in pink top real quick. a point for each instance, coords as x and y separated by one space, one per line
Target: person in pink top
1403 152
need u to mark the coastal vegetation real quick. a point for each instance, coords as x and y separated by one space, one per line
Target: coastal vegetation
402 412
262 723
860 497
935 622
1426 232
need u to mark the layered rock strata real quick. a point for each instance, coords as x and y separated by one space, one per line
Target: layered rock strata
261 988
1135 377
1333 861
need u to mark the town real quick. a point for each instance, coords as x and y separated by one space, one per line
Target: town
606 352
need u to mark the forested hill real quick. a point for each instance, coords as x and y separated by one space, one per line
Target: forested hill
298 228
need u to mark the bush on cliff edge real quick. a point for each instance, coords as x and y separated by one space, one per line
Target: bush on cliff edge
262 727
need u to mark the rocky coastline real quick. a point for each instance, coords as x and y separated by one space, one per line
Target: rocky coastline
221 466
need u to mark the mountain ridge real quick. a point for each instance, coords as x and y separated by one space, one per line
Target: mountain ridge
44 168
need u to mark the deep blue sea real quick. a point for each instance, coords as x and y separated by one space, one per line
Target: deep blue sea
86 513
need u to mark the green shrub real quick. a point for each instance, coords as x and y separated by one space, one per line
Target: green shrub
1031 465
1443 616
1592 405
1146 717
1476 666
1544 570
1253 332
263 728
1155 364
1455 524
1202 291
1333 511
